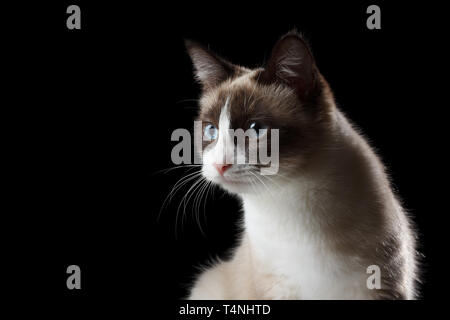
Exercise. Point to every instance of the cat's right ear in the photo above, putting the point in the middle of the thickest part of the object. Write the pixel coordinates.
(209, 69)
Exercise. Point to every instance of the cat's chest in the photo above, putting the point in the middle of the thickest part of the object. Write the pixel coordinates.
(307, 273)
(293, 260)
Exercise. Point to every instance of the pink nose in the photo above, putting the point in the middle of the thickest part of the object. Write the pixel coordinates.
(221, 167)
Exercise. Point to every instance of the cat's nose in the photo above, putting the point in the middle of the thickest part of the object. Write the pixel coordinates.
(221, 167)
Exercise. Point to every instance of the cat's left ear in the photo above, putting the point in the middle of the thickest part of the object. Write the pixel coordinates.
(292, 64)
(209, 69)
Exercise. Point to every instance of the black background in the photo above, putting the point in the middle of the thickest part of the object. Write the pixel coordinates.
(93, 111)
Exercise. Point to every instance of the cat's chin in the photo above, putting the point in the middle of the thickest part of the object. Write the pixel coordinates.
(240, 186)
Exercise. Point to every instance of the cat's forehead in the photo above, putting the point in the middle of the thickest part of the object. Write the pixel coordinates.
(238, 93)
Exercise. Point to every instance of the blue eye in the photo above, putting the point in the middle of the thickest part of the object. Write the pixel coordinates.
(210, 132)
(259, 129)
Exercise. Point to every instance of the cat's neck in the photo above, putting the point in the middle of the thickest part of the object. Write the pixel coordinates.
(281, 213)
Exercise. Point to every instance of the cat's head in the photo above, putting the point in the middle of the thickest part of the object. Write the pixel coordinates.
(288, 94)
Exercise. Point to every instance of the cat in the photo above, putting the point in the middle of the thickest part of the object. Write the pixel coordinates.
(312, 230)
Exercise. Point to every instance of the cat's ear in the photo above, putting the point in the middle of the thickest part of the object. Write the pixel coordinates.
(209, 69)
(292, 63)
